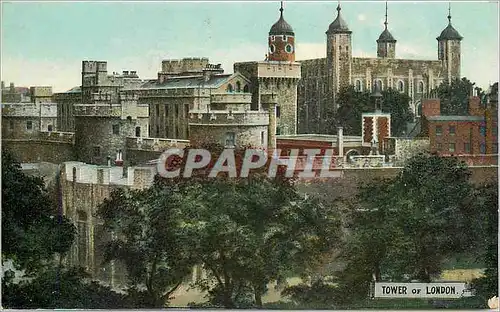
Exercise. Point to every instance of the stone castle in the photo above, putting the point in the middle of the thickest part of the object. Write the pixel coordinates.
(105, 133)
(323, 78)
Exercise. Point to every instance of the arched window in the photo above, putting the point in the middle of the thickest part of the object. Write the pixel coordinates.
(421, 87)
(378, 83)
(229, 88)
(245, 89)
(238, 86)
(358, 85)
(401, 86)
(138, 131)
(49, 128)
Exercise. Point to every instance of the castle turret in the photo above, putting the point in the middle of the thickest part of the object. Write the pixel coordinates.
(386, 44)
(449, 50)
(281, 41)
(339, 54)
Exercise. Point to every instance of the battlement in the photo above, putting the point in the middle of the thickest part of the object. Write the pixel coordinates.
(224, 118)
(41, 91)
(48, 110)
(57, 136)
(97, 110)
(136, 177)
(128, 96)
(184, 65)
(154, 144)
(231, 98)
(94, 66)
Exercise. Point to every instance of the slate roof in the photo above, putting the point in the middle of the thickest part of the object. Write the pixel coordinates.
(338, 25)
(187, 82)
(281, 27)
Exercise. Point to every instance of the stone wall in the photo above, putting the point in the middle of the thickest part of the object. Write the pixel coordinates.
(29, 151)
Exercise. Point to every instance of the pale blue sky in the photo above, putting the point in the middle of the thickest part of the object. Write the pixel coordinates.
(44, 43)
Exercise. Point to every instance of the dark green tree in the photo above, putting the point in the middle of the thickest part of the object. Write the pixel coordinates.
(252, 231)
(352, 104)
(454, 96)
(487, 205)
(148, 238)
(34, 232)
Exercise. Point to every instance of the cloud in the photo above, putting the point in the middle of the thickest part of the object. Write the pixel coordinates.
(361, 17)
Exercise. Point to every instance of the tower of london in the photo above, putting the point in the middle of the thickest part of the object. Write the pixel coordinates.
(323, 78)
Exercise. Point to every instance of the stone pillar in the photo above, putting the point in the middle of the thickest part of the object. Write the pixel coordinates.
(340, 141)
(271, 132)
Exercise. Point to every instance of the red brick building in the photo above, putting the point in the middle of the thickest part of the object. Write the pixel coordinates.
(474, 134)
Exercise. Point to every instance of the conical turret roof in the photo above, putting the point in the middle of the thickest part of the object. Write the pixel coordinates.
(281, 27)
(338, 25)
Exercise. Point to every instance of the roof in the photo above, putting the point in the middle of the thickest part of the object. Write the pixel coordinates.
(74, 90)
(386, 36)
(187, 82)
(281, 27)
(338, 25)
(449, 33)
(318, 137)
(455, 118)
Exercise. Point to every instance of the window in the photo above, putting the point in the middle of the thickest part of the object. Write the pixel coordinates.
(439, 130)
(378, 84)
(451, 147)
(229, 88)
(245, 89)
(157, 131)
(495, 130)
(421, 87)
(495, 148)
(157, 107)
(439, 146)
(467, 148)
(238, 86)
(278, 130)
(452, 129)
(29, 125)
(97, 151)
(358, 85)
(116, 129)
(401, 86)
(285, 38)
(272, 48)
(11, 124)
(482, 148)
(273, 38)
(482, 130)
(230, 138)
(176, 107)
(49, 128)
(278, 111)
(288, 48)
(262, 137)
(137, 131)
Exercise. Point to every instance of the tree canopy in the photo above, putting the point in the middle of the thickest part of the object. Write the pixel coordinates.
(454, 96)
(352, 104)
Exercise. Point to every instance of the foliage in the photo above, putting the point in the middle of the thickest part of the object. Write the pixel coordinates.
(487, 204)
(353, 103)
(404, 228)
(454, 96)
(318, 295)
(33, 231)
(147, 237)
(66, 289)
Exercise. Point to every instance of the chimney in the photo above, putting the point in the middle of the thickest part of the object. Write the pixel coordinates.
(340, 141)
(125, 73)
(431, 107)
(206, 75)
(475, 106)
(12, 89)
(3, 85)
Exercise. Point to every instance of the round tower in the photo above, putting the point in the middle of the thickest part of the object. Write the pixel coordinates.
(449, 49)
(386, 44)
(281, 41)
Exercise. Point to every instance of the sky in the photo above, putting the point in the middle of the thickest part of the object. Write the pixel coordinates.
(44, 43)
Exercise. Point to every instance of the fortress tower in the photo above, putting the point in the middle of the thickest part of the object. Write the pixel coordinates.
(278, 75)
(281, 40)
(386, 44)
(449, 50)
(338, 56)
